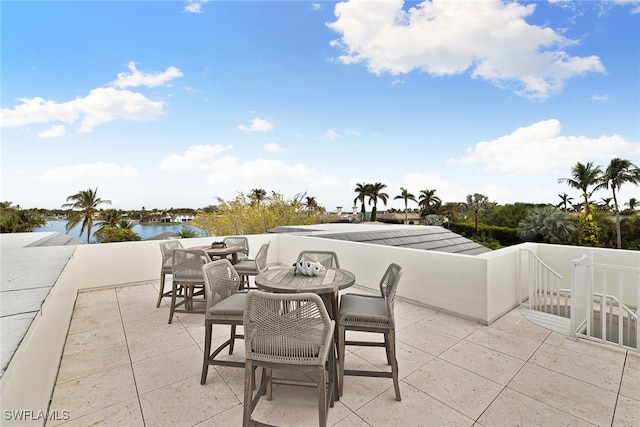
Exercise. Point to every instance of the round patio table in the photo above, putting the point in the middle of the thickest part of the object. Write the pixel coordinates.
(223, 252)
(326, 284)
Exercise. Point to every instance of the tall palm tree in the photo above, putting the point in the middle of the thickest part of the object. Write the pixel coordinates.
(362, 191)
(375, 193)
(85, 207)
(428, 199)
(404, 194)
(565, 201)
(617, 173)
(582, 178)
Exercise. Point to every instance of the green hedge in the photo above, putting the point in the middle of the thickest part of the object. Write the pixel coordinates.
(505, 235)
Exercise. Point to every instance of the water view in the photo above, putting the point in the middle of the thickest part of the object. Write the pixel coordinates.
(144, 231)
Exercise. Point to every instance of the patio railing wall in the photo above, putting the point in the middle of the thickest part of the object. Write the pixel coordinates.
(605, 302)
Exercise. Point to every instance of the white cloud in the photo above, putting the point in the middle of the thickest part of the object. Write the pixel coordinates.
(257, 125)
(332, 135)
(633, 4)
(86, 171)
(600, 98)
(490, 39)
(53, 132)
(135, 78)
(100, 105)
(316, 6)
(275, 175)
(539, 149)
(106, 104)
(196, 157)
(193, 7)
(273, 147)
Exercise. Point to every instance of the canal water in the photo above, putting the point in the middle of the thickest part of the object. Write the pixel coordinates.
(144, 231)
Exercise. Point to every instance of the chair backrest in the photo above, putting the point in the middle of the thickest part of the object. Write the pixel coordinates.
(238, 241)
(166, 248)
(220, 281)
(261, 257)
(287, 328)
(327, 258)
(187, 265)
(389, 284)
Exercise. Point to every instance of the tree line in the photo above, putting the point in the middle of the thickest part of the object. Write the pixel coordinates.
(477, 217)
(542, 223)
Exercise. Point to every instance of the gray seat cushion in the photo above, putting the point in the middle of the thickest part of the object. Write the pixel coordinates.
(229, 308)
(364, 311)
(246, 266)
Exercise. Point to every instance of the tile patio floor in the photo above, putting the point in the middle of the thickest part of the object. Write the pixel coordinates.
(123, 365)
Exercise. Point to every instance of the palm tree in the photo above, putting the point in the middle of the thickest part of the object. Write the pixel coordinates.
(110, 218)
(565, 201)
(362, 191)
(582, 178)
(478, 203)
(125, 224)
(375, 193)
(404, 194)
(427, 199)
(257, 195)
(617, 173)
(311, 203)
(632, 203)
(605, 204)
(86, 202)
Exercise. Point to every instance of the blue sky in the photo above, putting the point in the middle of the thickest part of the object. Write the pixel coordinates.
(171, 103)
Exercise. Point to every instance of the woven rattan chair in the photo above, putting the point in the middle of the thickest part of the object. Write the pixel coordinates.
(288, 331)
(327, 258)
(225, 306)
(253, 267)
(371, 313)
(166, 248)
(187, 272)
(239, 241)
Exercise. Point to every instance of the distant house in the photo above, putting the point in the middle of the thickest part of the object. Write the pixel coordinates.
(398, 218)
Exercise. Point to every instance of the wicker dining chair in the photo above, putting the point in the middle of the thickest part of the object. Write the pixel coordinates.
(327, 258)
(253, 267)
(187, 272)
(238, 241)
(225, 306)
(166, 248)
(370, 313)
(284, 332)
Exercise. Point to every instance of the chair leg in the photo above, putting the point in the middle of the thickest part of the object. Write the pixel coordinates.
(386, 348)
(174, 290)
(333, 374)
(394, 362)
(161, 292)
(207, 350)
(233, 338)
(341, 338)
(248, 392)
(322, 395)
(267, 374)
